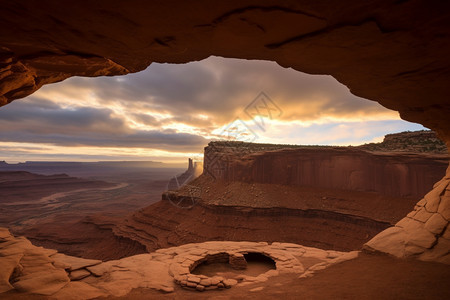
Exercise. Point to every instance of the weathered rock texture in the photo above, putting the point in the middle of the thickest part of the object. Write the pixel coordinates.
(326, 197)
(162, 225)
(393, 52)
(30, 269)
(424, 233)
(396, 175)
(388, 51)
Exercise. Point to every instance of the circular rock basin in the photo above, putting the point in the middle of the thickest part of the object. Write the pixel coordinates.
(249, 264)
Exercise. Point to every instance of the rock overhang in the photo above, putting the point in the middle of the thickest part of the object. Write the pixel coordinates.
(393, 52)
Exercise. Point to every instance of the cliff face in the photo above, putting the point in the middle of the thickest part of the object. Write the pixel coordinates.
(404, 175)
(161, 225)
(327, 197)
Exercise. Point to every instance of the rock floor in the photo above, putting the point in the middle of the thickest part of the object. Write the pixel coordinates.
(27, 269)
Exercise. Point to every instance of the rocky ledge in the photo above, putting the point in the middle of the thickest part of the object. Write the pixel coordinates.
(29, 269)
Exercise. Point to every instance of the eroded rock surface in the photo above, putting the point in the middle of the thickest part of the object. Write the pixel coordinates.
(393, 52)
(424, 233)
(346, 168)
(31, 269)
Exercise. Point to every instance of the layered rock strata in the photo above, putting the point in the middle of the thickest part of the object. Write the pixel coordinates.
(163, 225)
(399, 175)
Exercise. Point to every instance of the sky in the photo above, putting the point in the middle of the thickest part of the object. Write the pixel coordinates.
(169, 112)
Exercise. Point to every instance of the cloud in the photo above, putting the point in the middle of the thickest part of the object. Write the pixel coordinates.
(221, 88)
(41, 121)
(179, 108)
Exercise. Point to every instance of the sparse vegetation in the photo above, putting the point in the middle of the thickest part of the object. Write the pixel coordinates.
(424, 141)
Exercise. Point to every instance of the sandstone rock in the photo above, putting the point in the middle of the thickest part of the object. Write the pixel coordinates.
(315, 253)
(444, 207)
(212, 287)
(433, 197)
(422, 215)
(192, 278)
(349, 170)
(439, 253)
(4, 234)
(78, 291)
(416, 233)
(200, 288)
(318, 267)
(327, 46)
(229, 282)
(272, 273)
(206, 282)
(44, 283)
(100, 269)
(8, 265)
(436, 224)
(391, 240)
(79, 274)
(48, 252)
(61, 265)
(257, 289)
(133, 272)
(413, 213)
(422, 202)
(74, 262)
(177, 269)
(412, 250)
(346, 52)
(16, 246)
(446, 234)
(345, 256)
(216, 280)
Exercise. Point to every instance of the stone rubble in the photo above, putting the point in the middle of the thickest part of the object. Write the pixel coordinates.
(30, 269)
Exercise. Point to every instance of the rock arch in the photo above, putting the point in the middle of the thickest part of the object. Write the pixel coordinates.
(393, 52)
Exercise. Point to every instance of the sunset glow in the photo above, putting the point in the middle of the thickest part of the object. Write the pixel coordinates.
(169, 112)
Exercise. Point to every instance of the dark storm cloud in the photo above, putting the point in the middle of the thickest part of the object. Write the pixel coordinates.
(41, 121)
(42, 116)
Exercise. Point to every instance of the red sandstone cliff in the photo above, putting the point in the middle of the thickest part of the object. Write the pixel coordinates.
(404, 175)
(327, 197)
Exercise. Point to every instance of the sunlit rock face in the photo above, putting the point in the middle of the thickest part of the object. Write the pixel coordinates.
(393, 52)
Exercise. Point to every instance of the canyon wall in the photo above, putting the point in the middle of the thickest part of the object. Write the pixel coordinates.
(390, 174)
(162, 225)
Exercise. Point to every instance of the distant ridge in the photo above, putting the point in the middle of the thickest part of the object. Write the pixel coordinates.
(423, 141)
(134, 164)
(90, 168)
